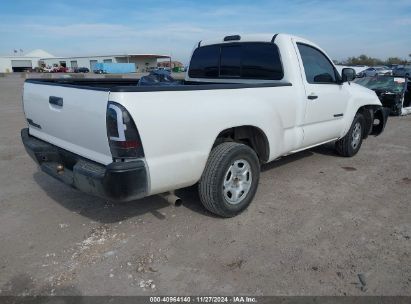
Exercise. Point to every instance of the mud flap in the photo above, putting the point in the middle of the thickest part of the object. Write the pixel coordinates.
(380, 119)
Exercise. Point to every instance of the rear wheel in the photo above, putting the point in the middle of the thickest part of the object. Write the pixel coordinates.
(350, 144)
(230, 179)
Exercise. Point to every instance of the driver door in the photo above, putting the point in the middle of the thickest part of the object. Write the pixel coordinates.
(326, 97)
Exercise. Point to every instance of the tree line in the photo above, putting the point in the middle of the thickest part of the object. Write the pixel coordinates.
(370, 61)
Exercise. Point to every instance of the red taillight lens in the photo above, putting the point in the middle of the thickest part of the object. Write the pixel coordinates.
(122, 133)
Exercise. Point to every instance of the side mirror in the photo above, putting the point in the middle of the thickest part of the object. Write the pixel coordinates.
(348, 74)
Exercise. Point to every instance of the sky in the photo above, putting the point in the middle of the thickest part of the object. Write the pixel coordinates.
(343, 28)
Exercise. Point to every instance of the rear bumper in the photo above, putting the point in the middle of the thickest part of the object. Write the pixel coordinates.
(118, 181)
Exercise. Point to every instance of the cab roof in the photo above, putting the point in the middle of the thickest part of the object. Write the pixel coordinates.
(246, 38)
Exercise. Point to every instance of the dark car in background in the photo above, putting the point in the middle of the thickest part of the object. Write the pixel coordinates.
(81, 70)
(393, 92)
(402, 71)
(158, 78)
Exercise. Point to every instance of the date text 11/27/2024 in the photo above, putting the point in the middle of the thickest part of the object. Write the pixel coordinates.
(200, 299)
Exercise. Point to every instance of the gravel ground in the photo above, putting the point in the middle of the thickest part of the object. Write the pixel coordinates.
(319, 225)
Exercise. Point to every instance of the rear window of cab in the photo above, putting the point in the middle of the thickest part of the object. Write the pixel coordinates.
(246, 60)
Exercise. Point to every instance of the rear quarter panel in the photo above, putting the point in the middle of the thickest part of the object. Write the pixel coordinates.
(178, 128)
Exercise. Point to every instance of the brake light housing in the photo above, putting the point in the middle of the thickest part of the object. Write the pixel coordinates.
(123, 137)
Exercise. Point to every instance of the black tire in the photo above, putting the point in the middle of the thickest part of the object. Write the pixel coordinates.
(211, 186)
(344, 146)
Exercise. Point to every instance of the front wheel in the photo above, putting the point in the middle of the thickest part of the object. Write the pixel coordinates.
(350, 144)
(230, 179)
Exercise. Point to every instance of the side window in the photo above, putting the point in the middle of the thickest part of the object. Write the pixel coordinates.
(230, 65)
(204, 62)
(318, 69)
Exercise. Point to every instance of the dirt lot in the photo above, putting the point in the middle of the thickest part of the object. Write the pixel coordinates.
(318, 222)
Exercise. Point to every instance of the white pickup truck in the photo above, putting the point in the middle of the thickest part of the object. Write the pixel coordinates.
(246, 100)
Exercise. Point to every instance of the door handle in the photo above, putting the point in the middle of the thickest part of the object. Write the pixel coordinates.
(312, 96)
(57, 101)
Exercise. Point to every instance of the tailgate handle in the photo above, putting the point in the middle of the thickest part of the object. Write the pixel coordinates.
(57, 101)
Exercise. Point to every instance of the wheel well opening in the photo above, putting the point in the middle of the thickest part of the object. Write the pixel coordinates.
(368, 114)
(249, 135)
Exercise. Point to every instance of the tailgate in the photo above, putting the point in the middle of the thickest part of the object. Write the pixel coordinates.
(71, 118)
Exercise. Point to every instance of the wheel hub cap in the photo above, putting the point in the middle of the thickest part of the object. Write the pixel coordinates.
(356, 135)
(237, 181)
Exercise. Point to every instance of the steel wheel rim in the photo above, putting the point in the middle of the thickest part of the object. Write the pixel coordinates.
(356, 135)
(237, 181)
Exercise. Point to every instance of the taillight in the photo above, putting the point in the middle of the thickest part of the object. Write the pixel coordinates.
(122, 133)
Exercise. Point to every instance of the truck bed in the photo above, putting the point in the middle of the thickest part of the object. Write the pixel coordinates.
(57, 113)
(131, 85)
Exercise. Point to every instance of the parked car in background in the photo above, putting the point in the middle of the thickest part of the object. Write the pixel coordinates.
(47, 69)
(372, 71)
(394, 92)
(240, 105)
(81, 70)
(402, 71)
(357, 69)
(60, 69)
(393, 66)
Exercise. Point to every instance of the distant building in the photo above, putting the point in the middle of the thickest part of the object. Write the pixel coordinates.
(21, 63)
(40, 58)
(143, 62)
